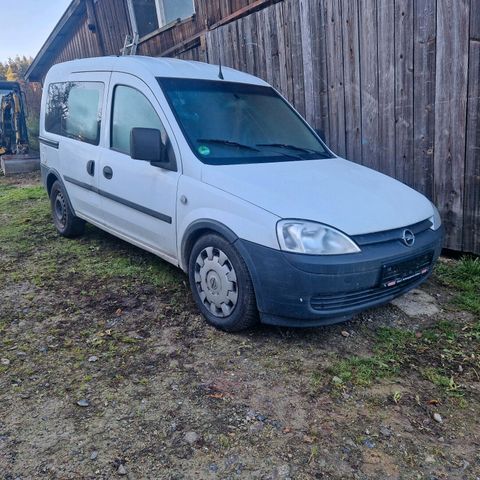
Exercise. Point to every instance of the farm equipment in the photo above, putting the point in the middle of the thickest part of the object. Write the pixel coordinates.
(13, 125)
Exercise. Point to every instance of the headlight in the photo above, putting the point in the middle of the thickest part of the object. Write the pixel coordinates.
(435, 219)
(301, 236)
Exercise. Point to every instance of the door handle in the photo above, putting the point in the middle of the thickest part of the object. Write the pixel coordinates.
(107, 172)
(91, 167)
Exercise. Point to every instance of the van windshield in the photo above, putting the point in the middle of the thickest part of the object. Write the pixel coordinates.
(230, 123)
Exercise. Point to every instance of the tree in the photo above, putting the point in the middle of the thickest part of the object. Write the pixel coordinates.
(15, 68)
(11, 74)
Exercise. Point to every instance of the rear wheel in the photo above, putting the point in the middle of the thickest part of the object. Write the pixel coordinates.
(221, 284)
(66, 223)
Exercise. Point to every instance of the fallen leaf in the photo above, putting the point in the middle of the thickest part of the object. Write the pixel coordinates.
(307, 439)
(216, 395)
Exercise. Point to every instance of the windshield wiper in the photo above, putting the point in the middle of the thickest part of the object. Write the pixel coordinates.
(292, 147)
(227, 142)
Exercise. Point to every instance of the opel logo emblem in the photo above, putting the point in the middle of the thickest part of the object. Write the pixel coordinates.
(408, 238)
(213, 284)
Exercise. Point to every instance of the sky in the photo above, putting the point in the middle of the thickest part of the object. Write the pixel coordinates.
(26, 24)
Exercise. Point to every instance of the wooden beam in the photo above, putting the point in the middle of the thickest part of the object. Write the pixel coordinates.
(244, 11)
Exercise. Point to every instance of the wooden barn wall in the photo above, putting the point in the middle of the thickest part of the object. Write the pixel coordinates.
(80, 43)
(208, 13)
(395, 85)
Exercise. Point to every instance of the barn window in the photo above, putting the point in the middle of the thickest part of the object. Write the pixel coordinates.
(150, 15)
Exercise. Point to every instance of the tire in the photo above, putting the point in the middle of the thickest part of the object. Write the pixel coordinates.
(221, 284)
(65, 221)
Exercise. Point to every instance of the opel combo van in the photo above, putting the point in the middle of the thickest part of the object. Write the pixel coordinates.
(217, 174)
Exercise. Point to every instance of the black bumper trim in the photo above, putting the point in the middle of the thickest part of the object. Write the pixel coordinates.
(294, 289)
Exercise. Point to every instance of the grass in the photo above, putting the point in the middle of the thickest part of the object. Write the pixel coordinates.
(445, 354)
(464, 277)
(386, 361)
(27, 230)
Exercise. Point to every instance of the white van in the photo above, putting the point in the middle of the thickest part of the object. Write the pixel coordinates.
(216, 173)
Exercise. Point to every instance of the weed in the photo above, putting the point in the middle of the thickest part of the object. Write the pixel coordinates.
(464, 276)
(447, 384)
(386, 361)
(27, 230)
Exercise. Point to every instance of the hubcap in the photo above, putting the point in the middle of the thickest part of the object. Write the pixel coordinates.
(216, 281)
(60, 210)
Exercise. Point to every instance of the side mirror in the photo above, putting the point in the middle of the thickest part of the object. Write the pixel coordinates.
(146, 144)
(321, 134)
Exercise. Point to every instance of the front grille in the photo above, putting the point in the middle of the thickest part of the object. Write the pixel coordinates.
(391, 235)
(331, 303)
(395, 279)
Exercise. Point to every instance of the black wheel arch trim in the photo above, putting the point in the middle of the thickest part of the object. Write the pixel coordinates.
(199, 225)
(46, 172)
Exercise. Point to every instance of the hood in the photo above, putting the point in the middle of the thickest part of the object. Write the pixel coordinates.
(339, 193)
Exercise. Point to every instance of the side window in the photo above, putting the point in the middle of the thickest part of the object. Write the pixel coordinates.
(131, 109)
(74, 110)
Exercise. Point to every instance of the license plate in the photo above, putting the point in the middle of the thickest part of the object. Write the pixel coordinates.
(396, 273)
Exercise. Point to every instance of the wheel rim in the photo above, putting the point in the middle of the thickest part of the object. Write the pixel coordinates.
(60, 210)
(216, 282)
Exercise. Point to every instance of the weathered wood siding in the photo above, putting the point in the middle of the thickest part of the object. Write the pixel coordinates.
(394, 84)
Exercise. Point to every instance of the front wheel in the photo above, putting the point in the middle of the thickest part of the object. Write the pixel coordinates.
(66, 223)
(221, 284)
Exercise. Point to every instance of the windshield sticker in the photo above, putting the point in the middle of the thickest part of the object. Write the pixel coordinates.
(203, 150)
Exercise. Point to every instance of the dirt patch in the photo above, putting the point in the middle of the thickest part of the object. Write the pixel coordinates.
(107, 372)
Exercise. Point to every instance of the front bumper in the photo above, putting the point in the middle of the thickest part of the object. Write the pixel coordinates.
(312, 290)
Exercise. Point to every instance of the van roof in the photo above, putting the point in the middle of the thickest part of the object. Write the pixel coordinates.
(157, 67)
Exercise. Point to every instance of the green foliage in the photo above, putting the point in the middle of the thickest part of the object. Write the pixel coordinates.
(464, 276)
(386, 361)
(33, 131)
(442, 348)
(15, 68)
(27, 230)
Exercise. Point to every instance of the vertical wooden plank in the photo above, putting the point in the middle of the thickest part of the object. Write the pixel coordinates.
(267, 43)
(404, 91)
(295, 63)
(275, 48)
(242, 56)
(471, 207)
(474, 20)
(320, 75)
(369, 81)
(307, 60)
(450, 115)
(297, 56)
(386, 87)
(282, 56)
(351, 67)
(424, 95)
(261, 60)
(249, 37)
(287, 26)
(336, 95)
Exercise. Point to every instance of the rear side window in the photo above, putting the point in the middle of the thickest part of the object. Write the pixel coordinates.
(131, 109)
(74, 110)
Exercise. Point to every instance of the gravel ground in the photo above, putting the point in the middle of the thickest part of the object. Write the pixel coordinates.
(107, 370)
